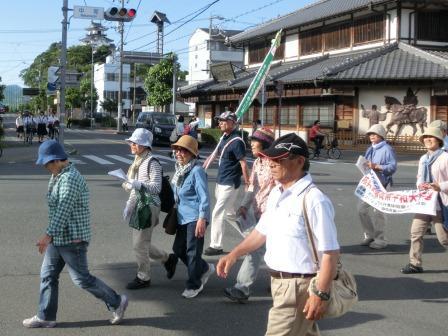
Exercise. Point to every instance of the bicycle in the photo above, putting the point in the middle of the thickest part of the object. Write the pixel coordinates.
(330, 147)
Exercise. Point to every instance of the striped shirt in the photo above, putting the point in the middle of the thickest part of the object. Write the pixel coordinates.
(68, 203)
(152, 181)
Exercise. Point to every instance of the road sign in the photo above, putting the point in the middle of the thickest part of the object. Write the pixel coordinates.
(30, 91)
(90, 13)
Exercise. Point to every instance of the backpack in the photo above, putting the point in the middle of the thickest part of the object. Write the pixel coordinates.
(166, 193)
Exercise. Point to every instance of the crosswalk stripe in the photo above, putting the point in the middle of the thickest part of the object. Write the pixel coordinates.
(76, 161)
(120, 158)
(98, 159)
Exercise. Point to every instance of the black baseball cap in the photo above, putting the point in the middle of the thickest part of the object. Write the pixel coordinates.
(287, 144)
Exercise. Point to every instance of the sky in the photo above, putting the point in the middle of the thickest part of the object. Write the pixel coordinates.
(30, 26)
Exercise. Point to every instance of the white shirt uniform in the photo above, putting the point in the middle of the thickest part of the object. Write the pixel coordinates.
(42, 120)
(28, 121)
(287, 247)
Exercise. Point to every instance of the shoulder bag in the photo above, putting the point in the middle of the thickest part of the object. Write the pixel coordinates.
(141, 216)
(343, 290)
(170, 221)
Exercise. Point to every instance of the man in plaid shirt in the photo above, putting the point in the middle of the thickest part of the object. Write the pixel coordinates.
(66, 240)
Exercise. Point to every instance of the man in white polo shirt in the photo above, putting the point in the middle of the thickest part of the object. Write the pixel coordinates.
(288, 254)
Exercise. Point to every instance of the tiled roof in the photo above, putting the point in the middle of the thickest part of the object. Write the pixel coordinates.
(390, 63)
(396, 62)
(311, 13)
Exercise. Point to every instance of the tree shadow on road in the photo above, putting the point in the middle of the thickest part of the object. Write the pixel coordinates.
(404, 287)
(431, 243)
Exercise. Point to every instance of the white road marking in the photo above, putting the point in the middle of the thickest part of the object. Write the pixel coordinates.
(120, 158)
(98, 160)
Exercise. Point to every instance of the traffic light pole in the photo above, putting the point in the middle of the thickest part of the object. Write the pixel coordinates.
(63, 65)
(120, 74)
(174, 83)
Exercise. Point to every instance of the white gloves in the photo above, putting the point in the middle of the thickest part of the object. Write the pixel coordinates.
(136, 184)
(128, 210)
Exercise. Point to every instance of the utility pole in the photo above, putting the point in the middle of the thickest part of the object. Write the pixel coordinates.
(210, 41)
(133, 98)
(174, 83)
(63, 65)
(120, 75)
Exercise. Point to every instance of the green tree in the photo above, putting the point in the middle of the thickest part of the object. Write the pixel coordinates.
(2, 88)
(110, 106)
(159, 82)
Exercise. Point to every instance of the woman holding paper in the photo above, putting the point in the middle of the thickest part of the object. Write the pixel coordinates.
(381, 159)
(432, 174)
(193, 213)
(145, 172)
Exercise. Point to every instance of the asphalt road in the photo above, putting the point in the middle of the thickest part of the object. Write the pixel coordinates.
(390, 303)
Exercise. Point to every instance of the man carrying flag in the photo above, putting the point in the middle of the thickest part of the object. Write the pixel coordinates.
(232, 164)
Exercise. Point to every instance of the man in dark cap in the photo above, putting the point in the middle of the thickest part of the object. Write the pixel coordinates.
(66, 240)
(288, 255)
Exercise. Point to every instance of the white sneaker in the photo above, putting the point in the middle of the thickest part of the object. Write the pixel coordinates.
(191, 293)
(206, 275)
(35, 322)
(118, 314)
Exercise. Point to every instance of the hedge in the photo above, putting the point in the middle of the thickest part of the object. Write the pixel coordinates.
(211, 136)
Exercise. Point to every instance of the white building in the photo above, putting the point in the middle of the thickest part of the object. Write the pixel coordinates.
(106, 82)
(200, 52)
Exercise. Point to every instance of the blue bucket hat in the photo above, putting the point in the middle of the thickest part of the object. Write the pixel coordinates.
(50, 150)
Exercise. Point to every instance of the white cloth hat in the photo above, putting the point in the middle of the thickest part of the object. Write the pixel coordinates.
(377, 129)
(435, 132)
(439, 124)
(142, 137)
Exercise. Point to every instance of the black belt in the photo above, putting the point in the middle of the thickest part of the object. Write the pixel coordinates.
(286, 275)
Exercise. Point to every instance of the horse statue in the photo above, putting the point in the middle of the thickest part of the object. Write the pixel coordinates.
(402, 115)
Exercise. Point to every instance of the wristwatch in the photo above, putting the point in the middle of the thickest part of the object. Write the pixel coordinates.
(324, 296)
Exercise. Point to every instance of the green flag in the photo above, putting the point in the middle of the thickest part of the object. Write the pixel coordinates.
(259, 78)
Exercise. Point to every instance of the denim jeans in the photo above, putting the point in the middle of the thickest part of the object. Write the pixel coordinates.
(75, 256)
(188, 248)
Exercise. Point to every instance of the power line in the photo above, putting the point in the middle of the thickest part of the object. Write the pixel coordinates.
(197, 13)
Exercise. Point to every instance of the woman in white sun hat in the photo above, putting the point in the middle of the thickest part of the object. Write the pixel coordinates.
(381, 159)
(432, 174)
(145, 172)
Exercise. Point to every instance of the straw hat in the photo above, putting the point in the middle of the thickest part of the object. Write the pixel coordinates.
(377, 129)
(187, 142)
(432, 131)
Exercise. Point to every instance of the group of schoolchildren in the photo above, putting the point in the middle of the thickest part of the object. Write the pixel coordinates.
(42, 125)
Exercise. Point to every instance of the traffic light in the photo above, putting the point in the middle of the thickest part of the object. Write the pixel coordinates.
(120, 14)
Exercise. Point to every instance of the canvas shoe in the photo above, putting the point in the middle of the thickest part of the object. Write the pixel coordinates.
(366, 241)
(378, 244)
(411, 269)
(35, 322)
(137, 283)
(118, 314)
(211, 251)
(206, 275)
(191, 293)
(235, 294)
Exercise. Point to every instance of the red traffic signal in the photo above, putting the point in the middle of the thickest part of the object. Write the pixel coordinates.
(120, 14)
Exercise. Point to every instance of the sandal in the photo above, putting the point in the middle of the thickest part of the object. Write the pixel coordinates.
(411, 269)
